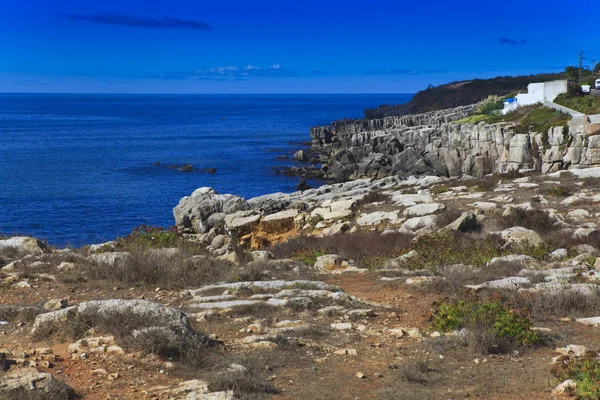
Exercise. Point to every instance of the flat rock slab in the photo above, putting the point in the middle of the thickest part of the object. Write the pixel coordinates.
(225, 304)
(209, 299)
(513, 282)
(378, 217)
(420, 210)
(408, 200)
(557, 287)
(592, 321)
(270, 285)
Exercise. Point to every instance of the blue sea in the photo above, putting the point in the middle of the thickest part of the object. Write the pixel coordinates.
(81, 169)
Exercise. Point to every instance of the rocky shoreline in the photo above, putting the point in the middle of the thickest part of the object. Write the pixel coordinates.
(348, 287)
(434, 144)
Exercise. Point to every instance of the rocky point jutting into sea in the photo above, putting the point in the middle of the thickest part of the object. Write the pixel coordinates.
(434, 144)
(418, 275)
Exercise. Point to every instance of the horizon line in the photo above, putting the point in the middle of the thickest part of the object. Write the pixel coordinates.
(219, 94)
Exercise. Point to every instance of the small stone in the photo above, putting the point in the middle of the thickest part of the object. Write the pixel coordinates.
(341, 326)
(565, 389)
(360, 375)
(169, 365)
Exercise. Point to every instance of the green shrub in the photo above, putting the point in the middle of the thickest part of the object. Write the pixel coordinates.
(473, 119)
(455, 248)
(492, 316)
(307, 256)
(149, 236)
(586, 373)
(559, 191)
(490, 105)
(584, 104)
(542, 119)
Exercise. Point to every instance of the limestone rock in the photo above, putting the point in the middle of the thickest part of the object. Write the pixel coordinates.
(419, 210)
(467, 222)
(136, 309)
(328, 262)
(519, 236)
(23, 244)
(279, 222)
(24, 378)
(114, 259)
(565, 389)
(242, 222)
(378, 217)
(192, 212)
(413, 224)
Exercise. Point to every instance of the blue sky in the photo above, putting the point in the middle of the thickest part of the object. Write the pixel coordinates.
(264, 46)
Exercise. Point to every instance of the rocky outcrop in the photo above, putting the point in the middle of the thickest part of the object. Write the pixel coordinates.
(204, 209)
(23, 244)
(432, 144)
(154, 313)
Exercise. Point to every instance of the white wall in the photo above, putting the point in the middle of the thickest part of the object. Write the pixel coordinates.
(527, 99)
(554, 88)
(538, 93)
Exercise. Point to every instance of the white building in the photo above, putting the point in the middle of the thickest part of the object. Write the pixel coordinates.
(536, 93)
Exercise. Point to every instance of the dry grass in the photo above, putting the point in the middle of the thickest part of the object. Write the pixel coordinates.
(536, 219)
(365, 248)
(410, 381)
(544, 305)
(20, 312)
(248, 383)
(192, 350)
(452, 280)
(169, 271)
(143, 334)
(56, 390)
(564, 240)
(374, 196)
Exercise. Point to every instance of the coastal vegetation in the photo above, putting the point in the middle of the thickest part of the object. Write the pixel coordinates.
(461, 93)
(535, 118)
(490, 326)
(584, 104)
(418, 287)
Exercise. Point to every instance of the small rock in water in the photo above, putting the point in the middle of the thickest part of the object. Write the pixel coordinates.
(303, 185)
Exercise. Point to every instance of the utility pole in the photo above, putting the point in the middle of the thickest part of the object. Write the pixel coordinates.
(580, 63)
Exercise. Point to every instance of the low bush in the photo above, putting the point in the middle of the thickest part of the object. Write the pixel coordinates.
(149, 237)
(374, 196)
(192, 350)
(584, 104)
(559, 191)
(535, 219)
(586, 373)
(169, 270)
(541, 120)
(255, 271)
(55, 390)
(365, 248)
(452, 280)
(455, 248)
(492, 327)
(20, 312)
(415, 371)
(551, 304)
(247, 382)
(143, 334)
(491, 105)
(473, 119)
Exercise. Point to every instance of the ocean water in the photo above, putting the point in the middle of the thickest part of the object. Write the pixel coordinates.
(80, 169)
